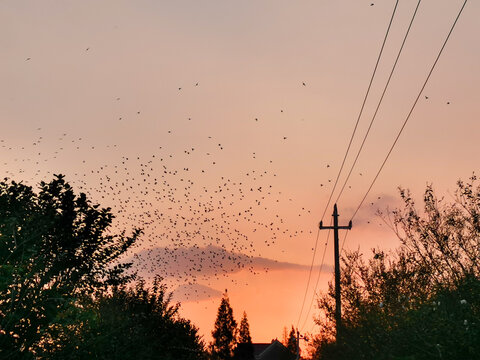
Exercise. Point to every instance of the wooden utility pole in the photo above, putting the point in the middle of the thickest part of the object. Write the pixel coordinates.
(298, 346)
(299, 337)
(338, 301)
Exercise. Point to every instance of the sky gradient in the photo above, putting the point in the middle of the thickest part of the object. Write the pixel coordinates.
(234, 117)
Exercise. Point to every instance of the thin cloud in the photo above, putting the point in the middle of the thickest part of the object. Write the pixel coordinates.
(369, 210)
(198, 262)
(194, 292)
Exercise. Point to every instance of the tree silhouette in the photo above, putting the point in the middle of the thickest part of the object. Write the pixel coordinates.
(224, 333)
(244, 349)
(134, 323)
(291, 344)
(421, 301)
(55, 249)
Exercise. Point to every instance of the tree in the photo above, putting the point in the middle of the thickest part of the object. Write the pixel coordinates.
(291, 343)
(225, 331)
(244, 349)
(421, 301)
(55, 249)
(134, 323)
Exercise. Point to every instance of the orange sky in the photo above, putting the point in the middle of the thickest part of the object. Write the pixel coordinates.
(106, 93)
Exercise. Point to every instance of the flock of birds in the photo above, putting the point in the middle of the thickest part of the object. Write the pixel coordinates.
(198, 221)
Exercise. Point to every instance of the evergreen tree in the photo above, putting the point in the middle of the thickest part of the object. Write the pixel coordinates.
(224, 334)
(291, 344)
(244, 349)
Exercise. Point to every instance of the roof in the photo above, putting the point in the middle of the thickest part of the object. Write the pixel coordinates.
(258, 348)
(273, 351)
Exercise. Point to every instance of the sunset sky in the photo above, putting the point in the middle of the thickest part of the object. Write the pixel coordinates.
(220, 126)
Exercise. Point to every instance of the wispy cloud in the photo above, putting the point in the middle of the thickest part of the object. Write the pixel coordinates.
(194, 292)
(369, 210)
(194, 262)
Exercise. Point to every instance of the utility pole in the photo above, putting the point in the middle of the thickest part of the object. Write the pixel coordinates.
(303, 337)
(298, 345)
(338, 301)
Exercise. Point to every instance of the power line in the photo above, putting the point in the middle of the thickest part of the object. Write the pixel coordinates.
(343, 242)
(398, 135)
(348, 149)
(332, 277)
(412, 108)
(380, 101)
(362, 107)
(316, 283)
(309, 276)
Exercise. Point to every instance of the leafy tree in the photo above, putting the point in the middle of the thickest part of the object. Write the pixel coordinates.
(134, 323)
(419, 302)
(244, 349)
(55, 248)
(225, 331)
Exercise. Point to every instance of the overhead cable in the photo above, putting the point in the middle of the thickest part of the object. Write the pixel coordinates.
(411, 109)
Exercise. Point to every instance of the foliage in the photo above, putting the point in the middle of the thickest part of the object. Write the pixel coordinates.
(420, 302)
(225, 331)
(134, 323)
(291, 341)
(55, 248)
(244, 349)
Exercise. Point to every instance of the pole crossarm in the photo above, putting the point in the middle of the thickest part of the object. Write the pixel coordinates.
(349, 227)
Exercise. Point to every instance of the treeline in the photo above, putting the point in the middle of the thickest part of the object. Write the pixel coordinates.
(419, 302)
(63, 293)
